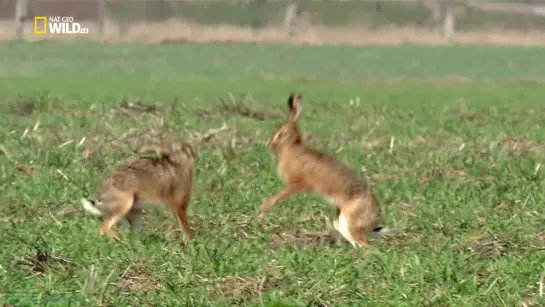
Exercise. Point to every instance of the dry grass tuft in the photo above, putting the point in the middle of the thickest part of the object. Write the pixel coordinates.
(130, 142)
(223, 137)
(137, 280)
(238, 289)
(495, 246)
(135, 108)
(23, 107)
(241, 108)
(374, 143)
(515, 145)
(402, 238)
(539, 240)
(38, 262)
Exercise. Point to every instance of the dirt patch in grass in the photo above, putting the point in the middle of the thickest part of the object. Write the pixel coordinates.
(374, 143)
(131, 142)
(68, 213)
(36, 102)
(303, 239)
(442, 173)
(513, 146)
(137, 280)
(242, 106)
(23, 107)
(232, 106)
(494, 246)
(39, 261)
(425, 142)
(36, 263)
(538, 240)
(402, 238)
(239, 289)
(134, 108)
(26, 169)
(224, 137)
(128, 142)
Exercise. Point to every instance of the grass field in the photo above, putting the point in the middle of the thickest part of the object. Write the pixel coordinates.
(461, 179)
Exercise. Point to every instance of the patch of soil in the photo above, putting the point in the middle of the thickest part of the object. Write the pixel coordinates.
(492, 247)
(137, 280)
(303, 239)
(423, 142)
(130, 142)
(539, 240)
(135, 108)
(514, 145)
(240, 107)
(38, 262)
(68, 213)
(26, 169)
(238, 289)
(23, 107)
(402, 238)
(441, 173)
(224, 137)
(374, 143)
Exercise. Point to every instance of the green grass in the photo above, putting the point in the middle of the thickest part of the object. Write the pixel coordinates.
(461, 181)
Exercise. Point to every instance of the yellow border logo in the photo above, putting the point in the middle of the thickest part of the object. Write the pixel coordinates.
(36, 19)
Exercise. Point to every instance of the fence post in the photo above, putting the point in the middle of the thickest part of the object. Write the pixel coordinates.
(378, 6)
(449, 20)
(290, 19)
(21, 12)
(101, 16)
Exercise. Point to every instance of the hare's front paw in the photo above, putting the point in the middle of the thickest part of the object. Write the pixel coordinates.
(266, 205)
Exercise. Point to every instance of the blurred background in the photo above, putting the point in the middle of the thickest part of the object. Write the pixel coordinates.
(300, 22)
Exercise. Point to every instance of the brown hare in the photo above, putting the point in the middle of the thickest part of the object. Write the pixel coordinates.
(131, 186)
(305, 169)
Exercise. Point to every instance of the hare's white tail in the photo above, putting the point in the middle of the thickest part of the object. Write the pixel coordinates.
(381, 231)
(91, 206)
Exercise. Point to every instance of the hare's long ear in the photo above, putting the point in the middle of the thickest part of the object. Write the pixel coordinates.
(294, 107)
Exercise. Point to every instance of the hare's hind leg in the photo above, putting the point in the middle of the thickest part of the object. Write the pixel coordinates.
(343, 226)
(179, 209)
(358, 235)
(120, 205)
(350, 227)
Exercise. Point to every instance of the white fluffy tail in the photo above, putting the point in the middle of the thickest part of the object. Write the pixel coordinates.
(90, 206)
(381, 231)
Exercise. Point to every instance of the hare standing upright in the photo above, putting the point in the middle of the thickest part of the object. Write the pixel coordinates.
(304, 169)
(129, 187)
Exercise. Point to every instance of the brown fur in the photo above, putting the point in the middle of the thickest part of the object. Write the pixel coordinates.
(163, 179)
(305, 169)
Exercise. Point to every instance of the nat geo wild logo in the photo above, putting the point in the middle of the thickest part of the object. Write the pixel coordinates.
(57, 25)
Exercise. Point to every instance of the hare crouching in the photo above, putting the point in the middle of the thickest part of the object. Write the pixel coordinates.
(143, 181)
(305, 169)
